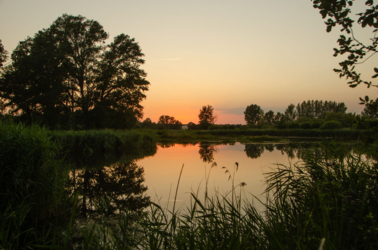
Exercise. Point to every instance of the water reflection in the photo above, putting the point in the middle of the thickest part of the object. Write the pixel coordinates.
(254, 150)
(120, 186)
(206, 152)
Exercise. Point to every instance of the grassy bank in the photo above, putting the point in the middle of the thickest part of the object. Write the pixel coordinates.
(97, 148)
(258, 135)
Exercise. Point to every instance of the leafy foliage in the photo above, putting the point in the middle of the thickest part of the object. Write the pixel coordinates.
(169, 122)
(319, 109)
(253, 114)
(338, 14)
(66, 72)
(371, 108)
(206, 116)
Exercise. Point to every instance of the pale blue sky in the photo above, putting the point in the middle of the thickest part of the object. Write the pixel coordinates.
(228, 54)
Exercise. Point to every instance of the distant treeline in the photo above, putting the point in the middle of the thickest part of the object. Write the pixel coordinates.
(311, 114)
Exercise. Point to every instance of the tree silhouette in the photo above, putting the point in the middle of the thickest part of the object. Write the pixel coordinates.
(206, 152)
(254, 151)
(290, 113)
(68, 69)
(253, 114)
(206, 116)
(269, 117)
(169, 122)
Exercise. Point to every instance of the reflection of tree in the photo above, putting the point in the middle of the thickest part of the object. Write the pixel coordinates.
(207, 152)
(121, 185)
(254, 150)
(269, 147)
(286, 149)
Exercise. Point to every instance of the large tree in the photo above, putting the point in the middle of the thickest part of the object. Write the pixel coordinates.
(206, 116)
(253, 114)
(102, 84)
(338, 13)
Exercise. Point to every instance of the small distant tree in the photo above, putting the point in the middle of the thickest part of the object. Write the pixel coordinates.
(290, 113)
(269, 117)
(147, 123)
(192, 126)
(206, 117)
(278, 117)
(169, 122)
(253, 114)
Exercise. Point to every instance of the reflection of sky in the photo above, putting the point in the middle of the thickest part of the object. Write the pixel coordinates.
(228, 54)
(163, 169)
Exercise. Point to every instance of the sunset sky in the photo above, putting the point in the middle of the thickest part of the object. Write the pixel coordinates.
(228, 54)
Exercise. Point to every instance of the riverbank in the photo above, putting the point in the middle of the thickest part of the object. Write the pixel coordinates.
(258, 135)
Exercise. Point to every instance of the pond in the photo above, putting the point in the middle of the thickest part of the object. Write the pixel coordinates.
(206, 167)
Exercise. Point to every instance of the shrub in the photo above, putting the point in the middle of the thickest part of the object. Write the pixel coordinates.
(292, 125)
(317, 123)
(372, 123)
(331, 125)
(305, 125)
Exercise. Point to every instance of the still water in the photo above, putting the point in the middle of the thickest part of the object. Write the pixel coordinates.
(131, 183)
(245, 163)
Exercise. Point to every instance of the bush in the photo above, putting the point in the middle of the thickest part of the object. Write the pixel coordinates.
(305, 125)
(317, 123)
(372, 123)
(292, 125)
(331, 125)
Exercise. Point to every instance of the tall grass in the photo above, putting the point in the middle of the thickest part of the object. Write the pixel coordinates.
(32, 195)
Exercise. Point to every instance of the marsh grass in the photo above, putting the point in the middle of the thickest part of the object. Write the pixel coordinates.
(32, 196)
(96, 148)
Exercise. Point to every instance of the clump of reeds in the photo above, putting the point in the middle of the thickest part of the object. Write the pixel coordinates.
(32, 179)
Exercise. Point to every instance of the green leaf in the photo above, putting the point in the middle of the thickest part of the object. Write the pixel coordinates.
(376, 70)
(366, 98)
(329, 28)
(353, 85)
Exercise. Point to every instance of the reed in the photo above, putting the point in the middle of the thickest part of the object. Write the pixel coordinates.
(32, 197)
